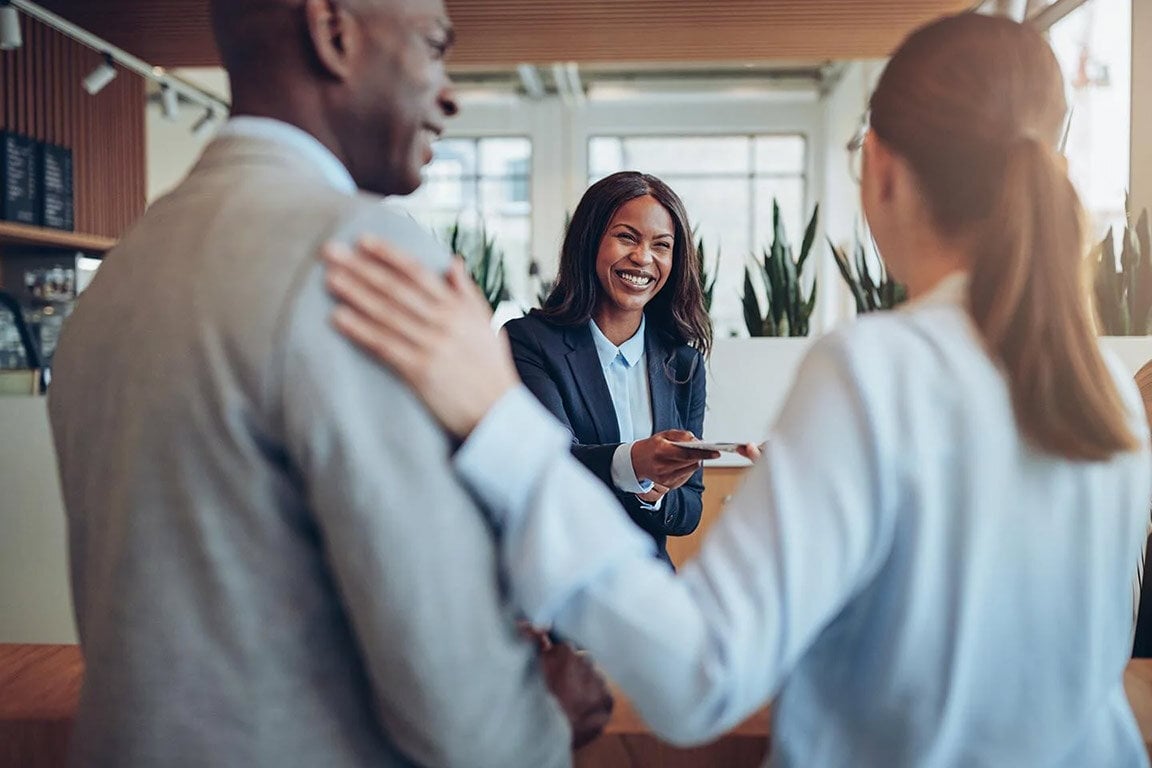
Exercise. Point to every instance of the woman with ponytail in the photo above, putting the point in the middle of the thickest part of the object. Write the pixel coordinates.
(930, 563)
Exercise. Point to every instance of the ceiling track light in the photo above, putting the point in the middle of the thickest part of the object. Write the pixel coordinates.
(568, 85)
(114, 58)
(575, 87)
(205, 123)
(169, 102)
(10, 36)
(560, 78)
(104, 73)
(531, 81)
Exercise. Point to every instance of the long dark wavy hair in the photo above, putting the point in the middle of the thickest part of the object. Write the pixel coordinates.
(677, 311)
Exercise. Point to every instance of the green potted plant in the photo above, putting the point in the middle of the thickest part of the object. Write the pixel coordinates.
(787, 310)
(1123, 287)
(485, 261)
(707, 276)
(870, 292)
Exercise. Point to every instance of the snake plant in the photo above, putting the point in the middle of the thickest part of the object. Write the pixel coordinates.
(1124, 290)
(787, 310)
(869, 292)
(707, 276)
(485, 261)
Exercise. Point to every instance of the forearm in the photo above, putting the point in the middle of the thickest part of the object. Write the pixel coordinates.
(576, 563)
(596, 458)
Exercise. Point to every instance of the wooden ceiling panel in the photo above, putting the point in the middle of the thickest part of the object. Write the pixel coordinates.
(496, 33)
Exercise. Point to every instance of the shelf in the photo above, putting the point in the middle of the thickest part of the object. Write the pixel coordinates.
(12, 233)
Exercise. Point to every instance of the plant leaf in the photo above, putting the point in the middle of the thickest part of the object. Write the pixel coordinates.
(809, 239)
(753, 320)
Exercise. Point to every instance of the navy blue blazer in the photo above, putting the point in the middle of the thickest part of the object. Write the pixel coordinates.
(560, 366)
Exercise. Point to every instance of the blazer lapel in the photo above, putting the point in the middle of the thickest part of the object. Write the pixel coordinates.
(589, 377)
(660, 384)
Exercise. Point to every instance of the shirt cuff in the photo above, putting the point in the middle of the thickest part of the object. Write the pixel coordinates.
(624, 474)
(505, 457)
(654, 507)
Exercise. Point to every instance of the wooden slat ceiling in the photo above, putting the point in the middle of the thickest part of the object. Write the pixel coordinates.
(496, 33)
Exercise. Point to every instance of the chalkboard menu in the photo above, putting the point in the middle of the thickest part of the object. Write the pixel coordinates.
(56, 199)
(20, 179)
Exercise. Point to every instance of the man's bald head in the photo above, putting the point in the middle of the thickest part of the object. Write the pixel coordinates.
(366, 77)
(246, 30)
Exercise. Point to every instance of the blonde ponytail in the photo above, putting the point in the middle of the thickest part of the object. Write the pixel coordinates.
(1029, 297)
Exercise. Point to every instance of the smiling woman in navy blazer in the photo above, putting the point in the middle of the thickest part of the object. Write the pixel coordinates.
(617, 352)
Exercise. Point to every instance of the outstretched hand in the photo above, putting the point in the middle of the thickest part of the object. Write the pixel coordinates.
(433, 330)
(655, 458)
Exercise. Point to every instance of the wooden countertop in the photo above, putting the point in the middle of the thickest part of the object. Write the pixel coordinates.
(40, 687)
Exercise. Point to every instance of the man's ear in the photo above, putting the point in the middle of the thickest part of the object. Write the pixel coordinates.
(335, 36)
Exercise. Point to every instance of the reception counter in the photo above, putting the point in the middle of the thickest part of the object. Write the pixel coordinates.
(40, 685)
(748, 380)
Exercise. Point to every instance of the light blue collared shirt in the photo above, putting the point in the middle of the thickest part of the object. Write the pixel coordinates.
(307, 146)
(626, 373)
(901, 571)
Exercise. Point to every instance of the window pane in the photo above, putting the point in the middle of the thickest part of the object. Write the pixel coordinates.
(513, 236)
(605, 156)
(687, 154)
(481, 183)
(1093, 45)
(504, 197)
(505, 157)
(780, 154)
(720, 210)
(442, 194)
(452, 158)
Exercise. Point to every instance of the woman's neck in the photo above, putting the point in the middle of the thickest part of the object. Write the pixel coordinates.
(928, 260)
(617, 327)
(922, 282)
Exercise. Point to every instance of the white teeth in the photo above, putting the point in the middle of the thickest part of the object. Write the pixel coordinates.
(636, 280)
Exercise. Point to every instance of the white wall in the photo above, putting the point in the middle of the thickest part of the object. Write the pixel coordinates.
(844, 105)
(171, 147)
(35, 596)
(749, 380)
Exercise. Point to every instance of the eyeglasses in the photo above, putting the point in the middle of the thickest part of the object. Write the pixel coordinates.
(1067, 130)
(856, 148)
(855, 145)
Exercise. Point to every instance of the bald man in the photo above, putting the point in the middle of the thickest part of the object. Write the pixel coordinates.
(272, 562)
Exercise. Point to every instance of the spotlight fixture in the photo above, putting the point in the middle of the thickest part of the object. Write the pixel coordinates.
(169, 102)
(575, 87)
(560, 78)
(10, 37)
(174, 92)
(531, 81)
(104, 73)
(205, 123)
